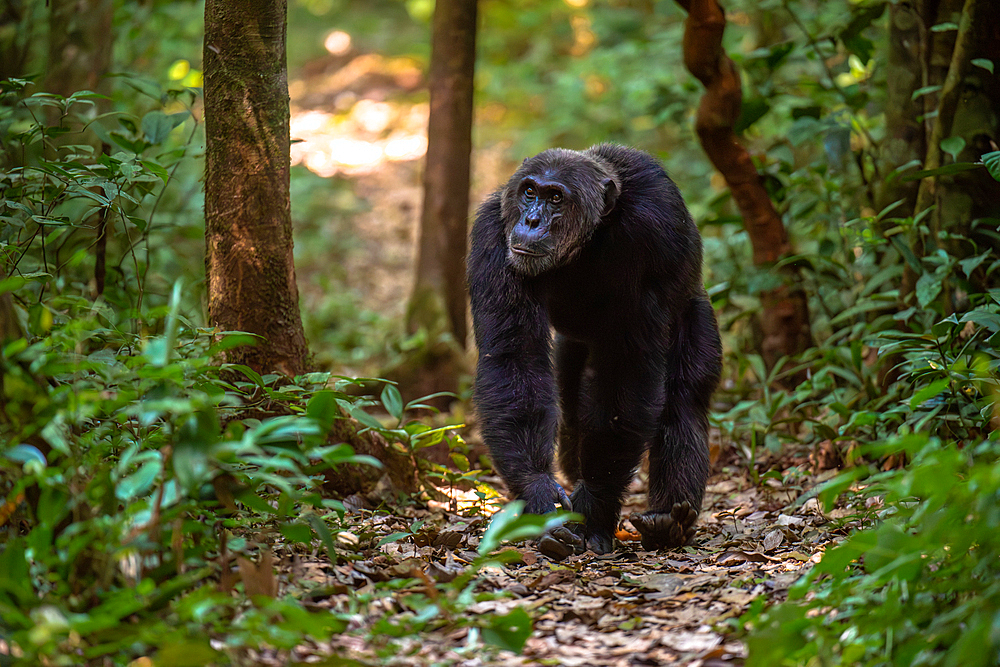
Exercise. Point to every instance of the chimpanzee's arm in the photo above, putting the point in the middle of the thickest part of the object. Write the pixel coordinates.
(515, 388)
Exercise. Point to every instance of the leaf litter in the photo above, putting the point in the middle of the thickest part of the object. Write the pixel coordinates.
(630, 607)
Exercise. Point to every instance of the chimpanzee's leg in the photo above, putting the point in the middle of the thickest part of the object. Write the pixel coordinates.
(678, 456)
(623, 414)
(570, 358)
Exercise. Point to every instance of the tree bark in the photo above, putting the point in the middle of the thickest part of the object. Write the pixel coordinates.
(16, 35)
(966, 106)
(80, 41)
(785, 312)
(438, 302)
(904, 141)
(248, 228)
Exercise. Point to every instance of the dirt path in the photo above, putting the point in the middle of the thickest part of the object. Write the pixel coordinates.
(627, 608)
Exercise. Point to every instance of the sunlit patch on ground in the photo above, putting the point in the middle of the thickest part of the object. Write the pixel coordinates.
(354, 113)
(360, 141)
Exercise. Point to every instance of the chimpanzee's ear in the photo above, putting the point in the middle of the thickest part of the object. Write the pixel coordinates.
(610, 195)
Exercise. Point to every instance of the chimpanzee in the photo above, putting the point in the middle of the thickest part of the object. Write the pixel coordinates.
(599, 246)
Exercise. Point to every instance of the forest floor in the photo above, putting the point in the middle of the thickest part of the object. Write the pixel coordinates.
(627, 608)
(355, 115)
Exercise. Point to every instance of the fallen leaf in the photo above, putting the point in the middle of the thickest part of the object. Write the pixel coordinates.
(258, 579)
(773, 540)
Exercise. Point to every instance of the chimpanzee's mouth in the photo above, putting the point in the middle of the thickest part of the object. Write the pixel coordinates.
(521, 250)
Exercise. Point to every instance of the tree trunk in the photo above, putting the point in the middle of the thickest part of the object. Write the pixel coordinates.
(248, 227)
(785, 312)
(80, 41)
(16, 35)
(438, 302)
(904, 141)
(966, 106)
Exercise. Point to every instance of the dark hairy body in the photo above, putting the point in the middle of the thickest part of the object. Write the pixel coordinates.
(599, 246)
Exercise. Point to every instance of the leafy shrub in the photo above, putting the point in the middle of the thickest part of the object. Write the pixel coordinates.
(919, 588)
(120, 481)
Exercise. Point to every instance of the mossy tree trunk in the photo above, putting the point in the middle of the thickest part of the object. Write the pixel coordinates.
(248, 227)
(438, 302)
(966, 106)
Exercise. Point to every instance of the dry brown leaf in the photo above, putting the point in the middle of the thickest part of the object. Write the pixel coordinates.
(552, 578)
(258, 579)
(773, 540)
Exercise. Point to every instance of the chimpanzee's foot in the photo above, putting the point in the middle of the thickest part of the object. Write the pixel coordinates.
(573, 538)
(662, 530)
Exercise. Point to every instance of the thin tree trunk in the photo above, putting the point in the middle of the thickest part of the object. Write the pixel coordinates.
(16, 35)
(440, 272)
(248, 228)
(904, 140)
(438, 302)
(965, 107)
(785, 312)
(80, 41)
(947, 104)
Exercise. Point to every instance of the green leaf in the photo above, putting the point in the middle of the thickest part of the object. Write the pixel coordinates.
(985, 63)
(392, 400)
(511, 525)
(947, 170)
(226, 340)
(984, 318)
(992, 163)
(322, 407)
(157, 125)
(930, 391)
(753, 109)
(919, 92)
(297, 532)
(25, 453)
(251, 500)
(944, 26)
(139, 482)
(366, 419)
(953, 146)
(928, 287)
(461, 461)
(14, 576)
(253, 375)
(393, 537)
(509, 632)
(156, 170)
(323, 531)
(12, 284)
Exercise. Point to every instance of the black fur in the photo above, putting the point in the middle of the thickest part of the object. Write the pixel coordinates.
(615, 269)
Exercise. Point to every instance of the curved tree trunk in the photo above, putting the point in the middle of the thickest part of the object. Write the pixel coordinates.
(438, 302)
(248, 227)
(785, 313)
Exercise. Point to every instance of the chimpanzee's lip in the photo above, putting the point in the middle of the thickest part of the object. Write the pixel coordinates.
(520, 250)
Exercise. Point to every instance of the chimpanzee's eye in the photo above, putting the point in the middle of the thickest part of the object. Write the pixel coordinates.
(556, 198)
(529, 192)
